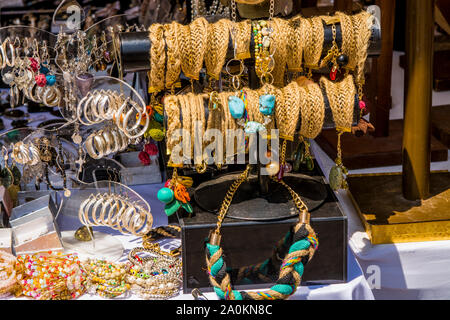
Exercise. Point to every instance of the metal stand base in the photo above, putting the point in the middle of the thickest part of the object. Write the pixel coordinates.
(249, 203)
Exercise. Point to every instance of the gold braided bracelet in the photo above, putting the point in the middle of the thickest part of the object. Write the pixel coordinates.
(312, 110)
(215, 122)
(173, 69)
(216, 51)
(314, 38)
(279, 40)
(186, 114)
(362, 23)
(200, 130)
(193, 47)
(341, 96)
(242, 39)
(172, 110)
(287, 117)
(157, 58)
(224, 118)
(230, 123)
(295, 44)
(348, 43)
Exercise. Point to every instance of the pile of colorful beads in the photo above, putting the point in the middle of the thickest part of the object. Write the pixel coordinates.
(161, 284)
(105, 278)
(51, 276)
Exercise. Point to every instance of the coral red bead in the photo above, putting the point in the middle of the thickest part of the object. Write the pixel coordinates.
(333, 75)
(41, 80)
(362, 105)
(34, 65)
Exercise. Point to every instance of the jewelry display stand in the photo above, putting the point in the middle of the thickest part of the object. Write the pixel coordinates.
(261, 212)
(132, 173)
(68, 149)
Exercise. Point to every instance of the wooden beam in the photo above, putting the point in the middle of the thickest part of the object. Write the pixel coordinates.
(418, 98)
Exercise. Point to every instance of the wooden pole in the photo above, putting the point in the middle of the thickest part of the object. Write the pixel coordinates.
(418, 99)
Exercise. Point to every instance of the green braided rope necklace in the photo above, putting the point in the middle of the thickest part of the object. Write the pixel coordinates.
(301, 240)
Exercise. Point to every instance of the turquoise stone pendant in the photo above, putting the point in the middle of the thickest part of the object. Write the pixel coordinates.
(236, 107)
(253, 127)
(266, 104)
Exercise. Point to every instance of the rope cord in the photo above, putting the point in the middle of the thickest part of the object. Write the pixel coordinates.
(302, 243)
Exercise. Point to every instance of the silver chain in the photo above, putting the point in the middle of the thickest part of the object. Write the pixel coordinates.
(271, 9)
(233, 28)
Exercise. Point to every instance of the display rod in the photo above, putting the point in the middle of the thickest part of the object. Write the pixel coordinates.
(135, 47)
(418, 99)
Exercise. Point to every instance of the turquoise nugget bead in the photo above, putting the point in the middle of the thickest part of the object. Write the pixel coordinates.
(253, 127)
(266, 104)
(236, 106)
(51, 80)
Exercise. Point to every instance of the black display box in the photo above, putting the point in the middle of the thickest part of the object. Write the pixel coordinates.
(247, 243)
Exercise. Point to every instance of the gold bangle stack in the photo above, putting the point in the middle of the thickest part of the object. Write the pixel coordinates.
(187, 126)
(228, 125)
(106, 141)
(215, 123)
